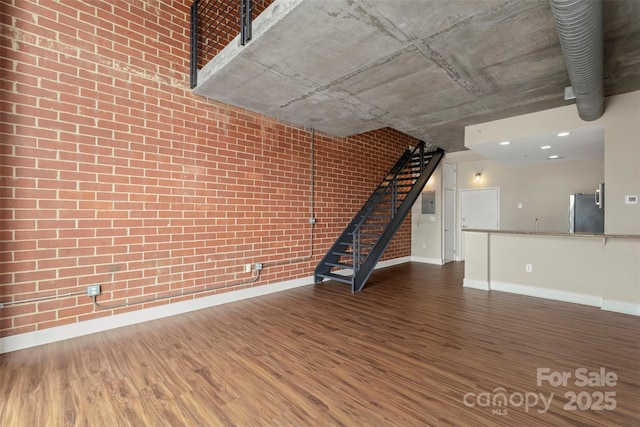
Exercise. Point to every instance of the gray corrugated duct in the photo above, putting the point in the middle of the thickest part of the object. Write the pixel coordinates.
(579, 24)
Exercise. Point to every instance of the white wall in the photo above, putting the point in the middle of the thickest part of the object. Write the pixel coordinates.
(476, 264)
(621, 122)
(568, 264)
(622, 162)
(426, 230)
(543, 190)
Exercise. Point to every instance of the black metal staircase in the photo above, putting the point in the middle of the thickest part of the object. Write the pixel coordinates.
(363, 241)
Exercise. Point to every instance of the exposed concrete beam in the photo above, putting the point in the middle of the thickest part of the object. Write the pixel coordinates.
(425, 67)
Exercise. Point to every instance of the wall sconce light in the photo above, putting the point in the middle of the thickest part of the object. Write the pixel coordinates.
(478, 176)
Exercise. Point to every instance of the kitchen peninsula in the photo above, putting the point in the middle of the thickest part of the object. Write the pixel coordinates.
(601, 270)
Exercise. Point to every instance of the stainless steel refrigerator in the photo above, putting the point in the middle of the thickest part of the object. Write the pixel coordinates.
(586, 212)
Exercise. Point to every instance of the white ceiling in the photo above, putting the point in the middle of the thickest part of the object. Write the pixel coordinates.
(581, 143)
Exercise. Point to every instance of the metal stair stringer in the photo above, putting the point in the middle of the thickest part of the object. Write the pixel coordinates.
(332, 257)
(365, 270)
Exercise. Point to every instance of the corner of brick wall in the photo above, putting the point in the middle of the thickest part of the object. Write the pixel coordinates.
(114, 173)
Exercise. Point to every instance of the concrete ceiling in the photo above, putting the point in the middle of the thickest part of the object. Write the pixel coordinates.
(427, 68)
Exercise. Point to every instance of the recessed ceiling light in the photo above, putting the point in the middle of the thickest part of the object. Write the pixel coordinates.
(555, 156)
(505, 143)
(564, 133)
(545, 147)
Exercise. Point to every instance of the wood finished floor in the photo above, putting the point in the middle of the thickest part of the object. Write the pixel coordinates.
(404, 352)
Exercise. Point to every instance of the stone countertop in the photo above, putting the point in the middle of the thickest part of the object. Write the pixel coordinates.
(556, 234)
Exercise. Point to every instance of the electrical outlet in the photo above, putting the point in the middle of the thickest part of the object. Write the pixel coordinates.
(247, 268)
(528, 268)
(258, 266)
(93, 290)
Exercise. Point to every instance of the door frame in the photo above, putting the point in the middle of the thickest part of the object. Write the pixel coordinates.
(452, 214)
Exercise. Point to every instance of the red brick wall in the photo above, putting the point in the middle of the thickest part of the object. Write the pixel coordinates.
(114, 173)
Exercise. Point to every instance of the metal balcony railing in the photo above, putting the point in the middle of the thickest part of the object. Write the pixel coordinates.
(215, 23)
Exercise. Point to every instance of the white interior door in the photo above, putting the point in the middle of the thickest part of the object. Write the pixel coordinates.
(479, 209)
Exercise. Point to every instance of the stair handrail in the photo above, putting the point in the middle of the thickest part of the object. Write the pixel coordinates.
(347, 233)
(394, 180)
(399, 167)
(383, 241)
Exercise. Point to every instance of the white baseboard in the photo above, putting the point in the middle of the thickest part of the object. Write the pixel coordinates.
(60, 333)
(424, 260)
(556, 295)
(392, 262)
(621, 307)
(475, 284)
(552, 294)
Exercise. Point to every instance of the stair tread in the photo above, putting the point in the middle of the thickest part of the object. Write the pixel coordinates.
(337, 277)
(347, 254)
(367, 235)
(339, 265)
(343, 253)
(366, 244)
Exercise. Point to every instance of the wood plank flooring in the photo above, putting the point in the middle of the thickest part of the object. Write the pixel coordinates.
(409, 350)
